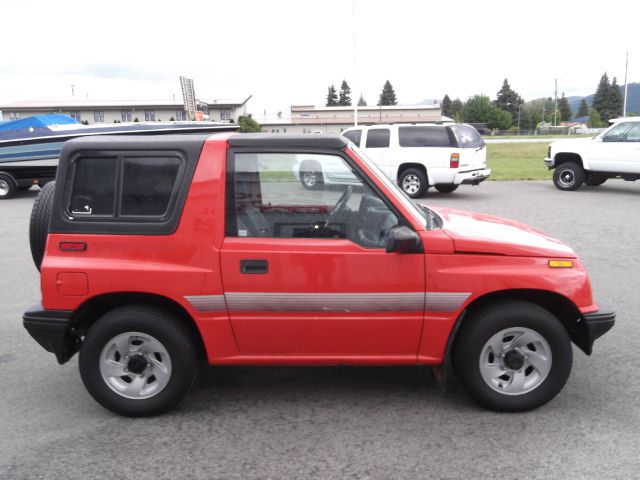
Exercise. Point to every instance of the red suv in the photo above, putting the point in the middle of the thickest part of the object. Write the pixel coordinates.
(158, 252)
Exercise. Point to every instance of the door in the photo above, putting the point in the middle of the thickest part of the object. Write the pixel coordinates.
(618, 150)
(305, 272)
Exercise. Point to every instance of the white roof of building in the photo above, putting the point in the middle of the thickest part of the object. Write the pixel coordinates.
(77, 102)
(305, 108)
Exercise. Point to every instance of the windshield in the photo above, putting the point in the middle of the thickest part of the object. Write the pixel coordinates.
(427, 217)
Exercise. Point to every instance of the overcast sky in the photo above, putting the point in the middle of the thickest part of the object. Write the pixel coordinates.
(288, 52)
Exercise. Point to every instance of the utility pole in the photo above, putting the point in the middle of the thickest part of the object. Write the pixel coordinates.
(355, 77)
(626, 67)
(555, 108)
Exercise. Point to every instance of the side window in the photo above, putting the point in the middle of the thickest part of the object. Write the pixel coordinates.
(618, 133)
(354, 136)
(633, 135)
(304, 195)
(124, 187)
(378, 138)
(423, 137)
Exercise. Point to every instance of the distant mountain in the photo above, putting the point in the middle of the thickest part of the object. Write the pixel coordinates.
(633, 99)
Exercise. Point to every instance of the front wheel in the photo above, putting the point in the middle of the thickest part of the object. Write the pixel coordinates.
(414, 182)
(138, 361)
(513, 357)
(446, 188)
(568, 176)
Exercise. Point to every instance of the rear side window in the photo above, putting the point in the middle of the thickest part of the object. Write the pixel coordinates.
(423, 137)
(354, 136)
(378, 138)
(124, 187)
(467, 136)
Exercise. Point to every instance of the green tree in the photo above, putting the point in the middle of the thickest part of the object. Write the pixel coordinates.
(345, 92)
(564, 108)
(508, 100)
(456, 108)
(362, 102)
(600, 98)
(248, 124)
(614, 100)
(388, 95)
(583, 109)
(446, 107)
(479, 109)
(332, 97)
(595, 121)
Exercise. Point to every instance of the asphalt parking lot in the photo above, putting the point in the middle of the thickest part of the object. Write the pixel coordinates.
(378, 423)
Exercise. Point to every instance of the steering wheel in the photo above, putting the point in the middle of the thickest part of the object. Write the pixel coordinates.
(342, 202)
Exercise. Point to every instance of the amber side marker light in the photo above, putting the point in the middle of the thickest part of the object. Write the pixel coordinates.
(560, 263)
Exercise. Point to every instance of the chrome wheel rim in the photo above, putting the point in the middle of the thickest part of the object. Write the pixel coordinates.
(411, 184)
(515, 361)
(567, 178)
(135, 365)
(4, 188)
(309, 178)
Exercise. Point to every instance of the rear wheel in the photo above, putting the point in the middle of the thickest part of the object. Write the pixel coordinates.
(446, 187)
(7, 186)
(568, 176)
(514, 356)
(138, 361)
(414, 182)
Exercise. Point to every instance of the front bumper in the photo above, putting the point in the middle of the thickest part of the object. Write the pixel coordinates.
(473, 177)
(52, 330)
(549, 162)
(597, 324)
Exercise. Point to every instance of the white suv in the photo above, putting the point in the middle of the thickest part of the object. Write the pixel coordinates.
(613, 153)
(418, 156)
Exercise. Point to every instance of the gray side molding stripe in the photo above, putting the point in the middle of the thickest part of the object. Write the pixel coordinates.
(329, 302)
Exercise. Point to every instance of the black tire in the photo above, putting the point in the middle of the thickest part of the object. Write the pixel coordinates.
(157, 324)
(8, 186)
(446, 187)
(472, 349)
(568, 176)
(594, 180)
(311, 176)
(414, 182)
(39, 223)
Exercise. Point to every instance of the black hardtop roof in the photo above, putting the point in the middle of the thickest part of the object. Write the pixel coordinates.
(135, 142)
(285, 140)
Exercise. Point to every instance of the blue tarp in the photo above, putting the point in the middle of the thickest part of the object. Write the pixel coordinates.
(37, 121)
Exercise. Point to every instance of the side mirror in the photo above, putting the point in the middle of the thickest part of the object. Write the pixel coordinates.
(404, 240)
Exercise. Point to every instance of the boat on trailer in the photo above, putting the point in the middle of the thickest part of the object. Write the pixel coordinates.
(30, 147)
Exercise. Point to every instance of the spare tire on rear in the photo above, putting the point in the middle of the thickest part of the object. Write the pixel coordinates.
(39, 224)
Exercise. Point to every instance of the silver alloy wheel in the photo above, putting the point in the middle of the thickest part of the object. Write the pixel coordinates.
(567, 178)
(4, 188)
(411, 184)
(309, 178)
(515, 361)
(135, 365)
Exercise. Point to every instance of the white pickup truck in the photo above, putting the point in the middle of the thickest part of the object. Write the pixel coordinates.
(612, 154)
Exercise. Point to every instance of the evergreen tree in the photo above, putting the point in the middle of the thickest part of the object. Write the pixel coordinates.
(248, 124)
(362, 102)
(344, 99)
(508, 100)
(583, 110)
(615, 100)
(564, 108)
(456, 108)
(595, 121)
(332, 97)
(446, 107)
(600, 97)
(388, 95)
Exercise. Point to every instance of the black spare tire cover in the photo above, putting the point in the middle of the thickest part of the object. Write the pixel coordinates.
(39, 224)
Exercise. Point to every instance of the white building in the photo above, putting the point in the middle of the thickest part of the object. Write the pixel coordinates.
(313, 119)
(110, 111)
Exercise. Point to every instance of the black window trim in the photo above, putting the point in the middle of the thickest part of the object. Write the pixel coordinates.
(231, 227)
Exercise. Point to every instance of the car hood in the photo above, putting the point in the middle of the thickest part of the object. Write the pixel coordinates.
(485, 234)
(571, 143)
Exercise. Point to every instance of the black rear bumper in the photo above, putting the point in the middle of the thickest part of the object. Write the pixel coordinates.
(597, 324)
(52, 330)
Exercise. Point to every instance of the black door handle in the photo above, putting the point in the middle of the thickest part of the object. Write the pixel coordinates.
(254, 266)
